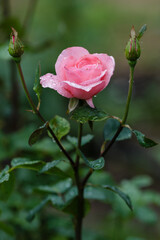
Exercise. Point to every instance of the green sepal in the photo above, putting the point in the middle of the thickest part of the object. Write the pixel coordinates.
(73, 103)
(143, 141)
(142, 31)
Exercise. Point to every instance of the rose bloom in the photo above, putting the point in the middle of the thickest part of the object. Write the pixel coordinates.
(80, 74)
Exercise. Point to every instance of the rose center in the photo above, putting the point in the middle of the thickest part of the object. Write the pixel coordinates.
(88, 61)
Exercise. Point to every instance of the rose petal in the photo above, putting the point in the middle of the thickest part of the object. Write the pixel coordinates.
(81, 75)
(68, 57)
(81, 92)
(51, 81)
(87, 87)
(108, 63)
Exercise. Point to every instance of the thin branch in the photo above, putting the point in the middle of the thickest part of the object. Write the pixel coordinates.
(87, 177)
(125, 113)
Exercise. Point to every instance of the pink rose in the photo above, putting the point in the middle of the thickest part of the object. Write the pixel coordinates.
(80, 74)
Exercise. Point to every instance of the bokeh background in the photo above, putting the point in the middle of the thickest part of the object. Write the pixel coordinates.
(101, 26)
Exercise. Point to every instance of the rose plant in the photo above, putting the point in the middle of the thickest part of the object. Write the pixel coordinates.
(79, 76)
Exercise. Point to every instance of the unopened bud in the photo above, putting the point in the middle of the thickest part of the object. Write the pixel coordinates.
(133, 50)
(16, 48)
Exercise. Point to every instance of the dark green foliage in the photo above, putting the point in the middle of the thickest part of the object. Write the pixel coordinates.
(4, 175)
(96, 164)
(85, 139)
(143, 141)
(111, 127)
(60, 127)
(37, 134)
(124, 196)
(85, 113)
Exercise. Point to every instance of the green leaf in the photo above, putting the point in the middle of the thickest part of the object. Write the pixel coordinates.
(85, 139)
(84, 114)
(59, 188)
(60, 126)
(98, 193)
(26, 163)
(51, 169)
(96, 164)
(57, 172)
(37, 86)
(111, 127)
(57, 201)
(73, 103)
(37, 134)
(141, 31)
(48, 166)
(70, 194)
(124, 196)
(36, 209)
(4, 175)
(143, 141)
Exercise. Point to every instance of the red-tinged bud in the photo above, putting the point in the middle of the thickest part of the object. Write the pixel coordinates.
(16, 48)
(133, 50)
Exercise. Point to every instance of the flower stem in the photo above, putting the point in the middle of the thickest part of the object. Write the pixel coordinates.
(79, 142)
(37, 112)
(129, 95)
(132, 67)
(80, 214)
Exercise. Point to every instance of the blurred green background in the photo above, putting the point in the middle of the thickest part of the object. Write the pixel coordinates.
(102, 26)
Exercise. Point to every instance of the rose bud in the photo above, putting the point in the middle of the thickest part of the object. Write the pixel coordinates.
(133, 50)
(16, 48)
